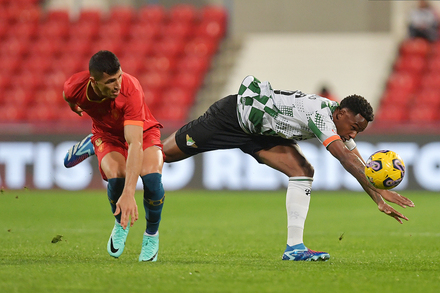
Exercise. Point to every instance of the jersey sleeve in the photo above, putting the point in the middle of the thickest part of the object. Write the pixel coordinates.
(323, 128)
(134, 109)
(68, 93)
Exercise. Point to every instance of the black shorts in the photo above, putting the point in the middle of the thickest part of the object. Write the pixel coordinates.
(218, 129)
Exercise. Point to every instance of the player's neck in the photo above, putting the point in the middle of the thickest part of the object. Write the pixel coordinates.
(93, 93)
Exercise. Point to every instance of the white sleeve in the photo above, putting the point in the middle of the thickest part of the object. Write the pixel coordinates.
(350, 144)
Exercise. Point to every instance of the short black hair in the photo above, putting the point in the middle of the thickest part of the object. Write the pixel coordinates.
(103, 61)
(358, 105)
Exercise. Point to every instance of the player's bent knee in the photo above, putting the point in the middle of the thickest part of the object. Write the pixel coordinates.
(309, 171)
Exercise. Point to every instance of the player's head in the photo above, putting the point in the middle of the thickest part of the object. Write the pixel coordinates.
(352, 116)
(105, 74)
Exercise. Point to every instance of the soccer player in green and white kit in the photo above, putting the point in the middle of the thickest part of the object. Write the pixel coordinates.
(266, 124)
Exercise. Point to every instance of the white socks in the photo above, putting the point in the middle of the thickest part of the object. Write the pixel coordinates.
(297, 205)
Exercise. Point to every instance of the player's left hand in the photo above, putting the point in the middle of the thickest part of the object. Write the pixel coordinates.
(387, 209)
(396, 198)
(127, 206)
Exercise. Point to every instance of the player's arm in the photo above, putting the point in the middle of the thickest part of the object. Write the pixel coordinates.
(74, 107)
(355, 166)
(127, 203)
(356, 152)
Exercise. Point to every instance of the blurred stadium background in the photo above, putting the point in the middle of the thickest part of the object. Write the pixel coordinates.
(188, 54)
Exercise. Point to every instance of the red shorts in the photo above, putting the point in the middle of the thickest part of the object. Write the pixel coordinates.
(105, 143)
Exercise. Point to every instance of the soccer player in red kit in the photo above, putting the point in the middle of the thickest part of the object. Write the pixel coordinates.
(126, 140)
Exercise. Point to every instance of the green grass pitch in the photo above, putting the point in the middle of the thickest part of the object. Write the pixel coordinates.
(217, 242)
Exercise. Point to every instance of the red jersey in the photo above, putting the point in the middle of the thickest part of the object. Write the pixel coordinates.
(111, 115)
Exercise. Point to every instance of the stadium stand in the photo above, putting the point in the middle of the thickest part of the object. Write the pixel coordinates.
(168, 50)
(412, 92)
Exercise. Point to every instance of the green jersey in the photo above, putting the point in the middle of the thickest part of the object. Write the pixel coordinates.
(288, 114)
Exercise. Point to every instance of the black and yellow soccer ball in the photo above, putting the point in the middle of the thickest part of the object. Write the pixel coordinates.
(385, 169)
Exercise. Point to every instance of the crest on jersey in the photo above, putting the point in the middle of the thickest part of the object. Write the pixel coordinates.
(190, 142)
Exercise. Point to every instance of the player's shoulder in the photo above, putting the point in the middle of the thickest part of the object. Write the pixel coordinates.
(75, 83)
(318, 102)
(130, 84)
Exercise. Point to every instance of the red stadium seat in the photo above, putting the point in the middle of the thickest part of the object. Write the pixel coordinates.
(54, 79)
(152, 97)
(211, 29)
(433, 64)
(47, 47)
(84, 30)
(171, 112)
(58, 16)
(396, 97)
(5, 80)
(393, 113)
(154, 81)
(138, 48)
(41, 113)
(403, 81)
(430, 80)
(217, 13)
(183, 13)
(181, 30)
(22, 31)
(27, 79)
(69, 64)
(113, 45)
(152, 13)
(4, 27)
(37, 63)
(48, 96)
(193, 64)
(131, 63)
(422, 113)
(117, 30)
(13, 47)
(77, 47)
(429, 97)
(12, 113)
(169, 47)
(160, 64)
(418, 46)
(190, 81)
(18, 96)
(11, 64)
(410, 64)
(122, 13)
(177, 96)
(145, 31)
(202, 47)
(53, 30)
(90, 16)
(26, 13)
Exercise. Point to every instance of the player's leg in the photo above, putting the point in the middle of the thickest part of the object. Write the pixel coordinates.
(111, 158)
(79, 152)
(290, 160)
(154, 194)
(172, 152)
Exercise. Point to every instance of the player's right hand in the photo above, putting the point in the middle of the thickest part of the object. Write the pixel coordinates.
(387, 209)
(126, 205)
(396, 198)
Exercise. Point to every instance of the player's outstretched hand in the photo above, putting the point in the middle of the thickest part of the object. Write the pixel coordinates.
(396, 198)
(387, 209)
(126, 205)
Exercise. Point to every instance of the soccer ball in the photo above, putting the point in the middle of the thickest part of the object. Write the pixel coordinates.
(385, 169)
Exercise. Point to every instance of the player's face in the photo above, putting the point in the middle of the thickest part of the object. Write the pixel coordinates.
(110, 85)
(348, 124)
